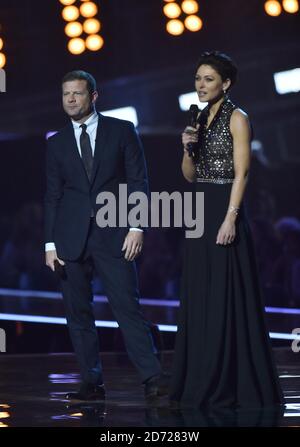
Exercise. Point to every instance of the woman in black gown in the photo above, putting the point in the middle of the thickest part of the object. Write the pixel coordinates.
(222, 354)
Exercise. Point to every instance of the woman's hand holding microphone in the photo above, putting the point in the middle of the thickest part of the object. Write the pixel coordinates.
(189, 139)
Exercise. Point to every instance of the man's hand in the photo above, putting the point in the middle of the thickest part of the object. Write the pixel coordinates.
(133, 244)
(51, 256)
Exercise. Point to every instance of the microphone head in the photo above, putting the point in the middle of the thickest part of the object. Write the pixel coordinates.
(194, 111)
(194, 108)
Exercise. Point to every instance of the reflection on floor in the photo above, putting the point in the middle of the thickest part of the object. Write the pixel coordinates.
(32, 389)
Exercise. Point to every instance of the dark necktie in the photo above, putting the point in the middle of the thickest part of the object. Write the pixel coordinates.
(86, 151)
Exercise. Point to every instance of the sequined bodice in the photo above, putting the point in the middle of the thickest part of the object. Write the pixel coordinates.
(214, 161)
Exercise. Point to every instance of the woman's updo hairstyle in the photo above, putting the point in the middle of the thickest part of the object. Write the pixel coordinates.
(220, 62)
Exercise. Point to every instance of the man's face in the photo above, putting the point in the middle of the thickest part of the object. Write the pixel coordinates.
(77, 101)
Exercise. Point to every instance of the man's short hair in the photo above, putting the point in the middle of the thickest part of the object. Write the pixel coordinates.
(80, 75)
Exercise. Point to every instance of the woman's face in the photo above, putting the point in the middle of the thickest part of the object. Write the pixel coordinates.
(209, 84)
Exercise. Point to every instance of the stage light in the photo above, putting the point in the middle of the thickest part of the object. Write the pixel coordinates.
(4, 415)
(172, 10)
(2, 65)
(2, 60)
(88, 9)
(123, 113)
(73, 29)
(290, 6)
(67, 2)
(190, 6)
(94, 42)
(177, 24)
(70, 13)
(287, 81)
(193, 23)
(76, 45)
(50, 133)
(91, 26)
(175, 27)
(273, 8)
(86, 24)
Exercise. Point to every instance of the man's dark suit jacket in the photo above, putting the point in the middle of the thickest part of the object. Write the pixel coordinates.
(70, 196)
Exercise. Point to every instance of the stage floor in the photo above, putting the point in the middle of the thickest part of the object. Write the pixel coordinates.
(32, 389)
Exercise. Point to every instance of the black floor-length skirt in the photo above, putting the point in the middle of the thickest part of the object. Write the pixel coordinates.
(223, 355)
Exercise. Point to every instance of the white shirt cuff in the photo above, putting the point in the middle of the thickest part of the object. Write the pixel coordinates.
(50, 246)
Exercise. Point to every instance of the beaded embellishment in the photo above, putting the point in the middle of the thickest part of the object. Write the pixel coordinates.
(214, 162)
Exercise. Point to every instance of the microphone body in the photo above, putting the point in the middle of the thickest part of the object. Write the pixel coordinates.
(193, 115)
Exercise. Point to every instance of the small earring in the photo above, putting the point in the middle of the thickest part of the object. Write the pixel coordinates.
(224, 91)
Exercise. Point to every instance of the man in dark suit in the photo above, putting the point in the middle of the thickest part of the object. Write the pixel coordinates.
(94, 154)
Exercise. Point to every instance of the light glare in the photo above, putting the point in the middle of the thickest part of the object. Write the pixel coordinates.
(76, 45)
(175, 27)
(287, 81)
(273, 8)
(193, 23)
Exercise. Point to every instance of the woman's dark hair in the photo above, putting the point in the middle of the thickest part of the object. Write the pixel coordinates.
(222, 63)
(80, 75)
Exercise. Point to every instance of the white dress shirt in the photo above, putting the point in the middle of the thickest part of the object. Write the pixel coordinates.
(91, 128)
(92, 125)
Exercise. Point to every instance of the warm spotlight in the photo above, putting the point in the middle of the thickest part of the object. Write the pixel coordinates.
(88, 9)
(73, 29)
(175, 27)
(190, 6)
(172, 10)
(91, 26)
(273, 8)
(1, 43)
(2, 60)
(76, 45)
(290, 6)
(70, 13)
(4, 415)
(94, 42)
(67, 2)
(193, 23)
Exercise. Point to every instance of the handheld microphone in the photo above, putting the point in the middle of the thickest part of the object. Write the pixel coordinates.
(59, 269)
(193, 115)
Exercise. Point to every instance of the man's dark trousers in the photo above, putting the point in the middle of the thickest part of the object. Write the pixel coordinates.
(120, 285)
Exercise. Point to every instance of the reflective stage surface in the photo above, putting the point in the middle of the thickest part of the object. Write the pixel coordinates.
(33, 387)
